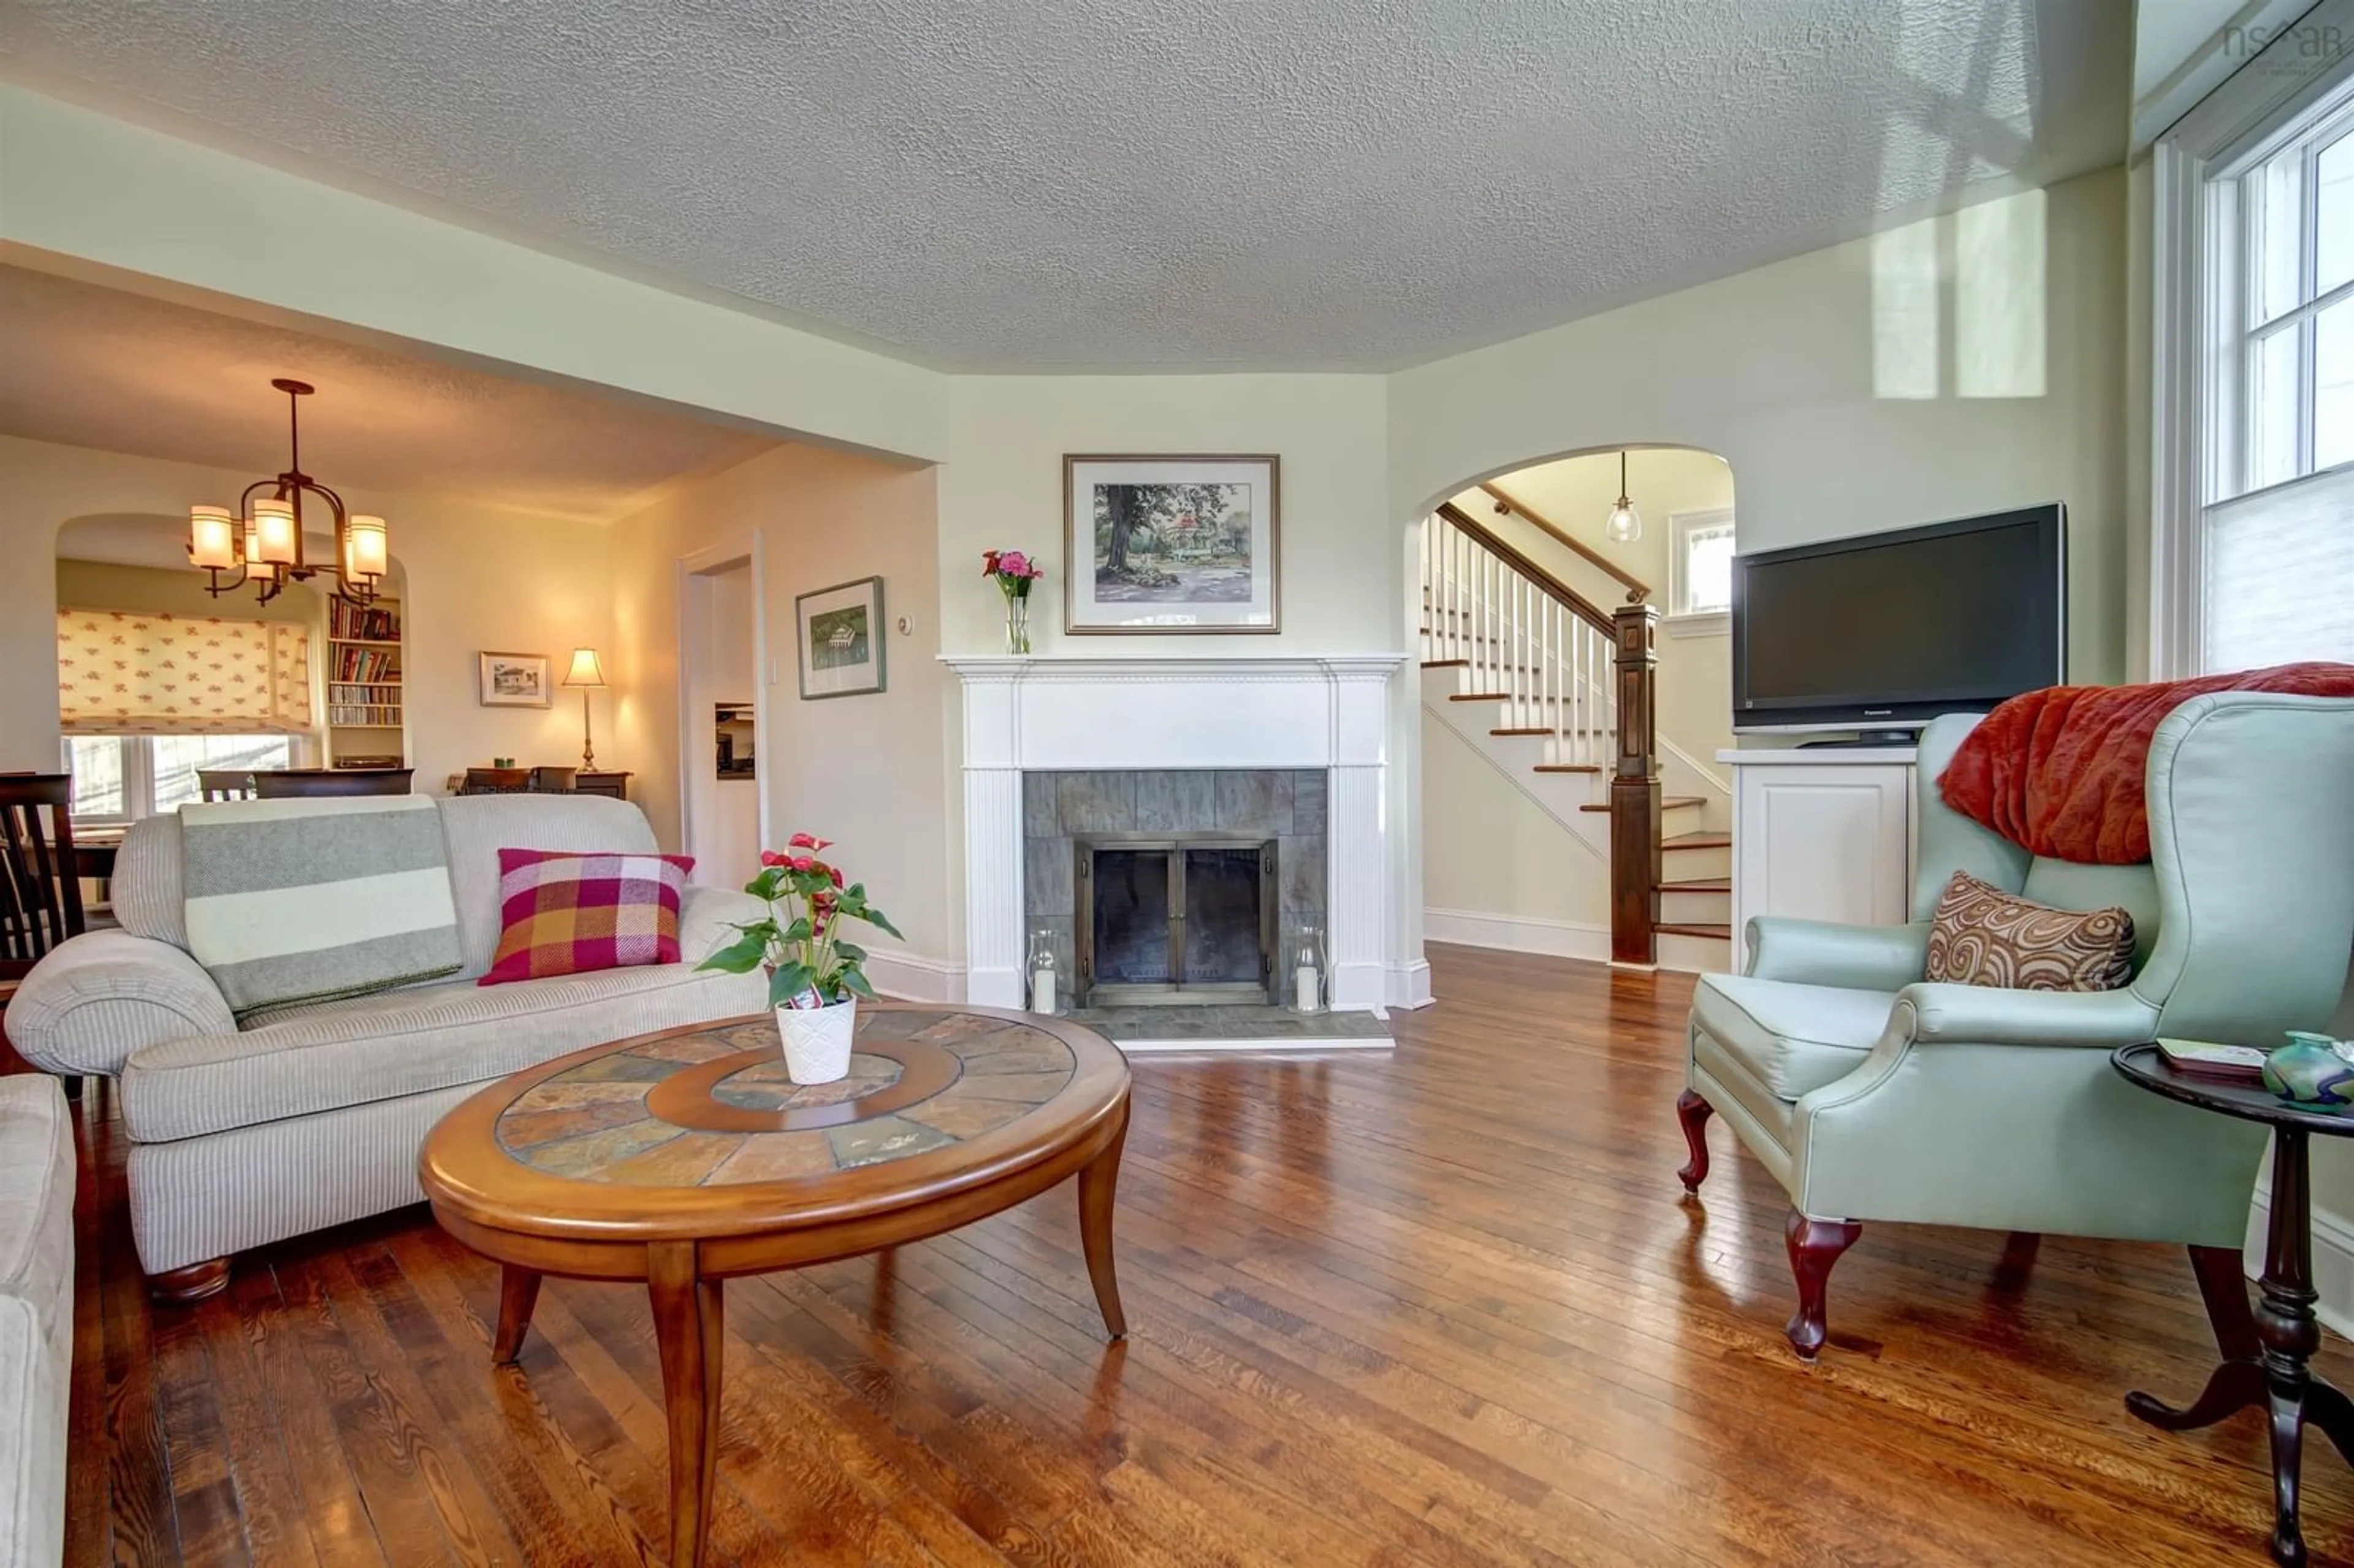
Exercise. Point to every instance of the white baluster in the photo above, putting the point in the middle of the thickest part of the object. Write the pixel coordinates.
(1544, 674)
(1520, 586)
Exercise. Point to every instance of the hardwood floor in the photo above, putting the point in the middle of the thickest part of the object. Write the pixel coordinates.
(1444, 1307)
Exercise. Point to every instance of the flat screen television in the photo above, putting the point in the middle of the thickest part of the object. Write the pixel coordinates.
(1888, 630)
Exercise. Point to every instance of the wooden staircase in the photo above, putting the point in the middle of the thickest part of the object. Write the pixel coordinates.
(1568, 689)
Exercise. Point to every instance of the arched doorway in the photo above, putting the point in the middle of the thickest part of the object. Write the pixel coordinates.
(1518, 583)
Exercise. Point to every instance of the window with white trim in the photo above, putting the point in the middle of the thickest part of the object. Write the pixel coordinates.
(1699, 566)
(2252, 497)
(119, 778)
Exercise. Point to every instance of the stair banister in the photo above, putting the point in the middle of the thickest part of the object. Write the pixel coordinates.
(1636, 859)
(1638, 591)
(1541, 648)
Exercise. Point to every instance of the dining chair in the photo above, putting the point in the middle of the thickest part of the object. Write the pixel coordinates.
(317, 783)
(40, 891)
(225, 783)
(497, 781)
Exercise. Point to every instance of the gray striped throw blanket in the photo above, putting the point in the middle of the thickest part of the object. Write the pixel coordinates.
(302, 901)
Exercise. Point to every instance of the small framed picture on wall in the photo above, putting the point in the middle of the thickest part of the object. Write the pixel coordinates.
(514, 681)
(842, 639)
(1171, 543)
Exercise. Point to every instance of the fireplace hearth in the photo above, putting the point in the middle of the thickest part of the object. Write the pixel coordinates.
(1171, 919)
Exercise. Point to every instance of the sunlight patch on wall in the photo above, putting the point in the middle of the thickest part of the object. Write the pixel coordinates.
(1998, 331)
(1976, 279)
(1904, 312)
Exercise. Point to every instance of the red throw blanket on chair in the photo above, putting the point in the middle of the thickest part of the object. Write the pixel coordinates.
(2061, 770)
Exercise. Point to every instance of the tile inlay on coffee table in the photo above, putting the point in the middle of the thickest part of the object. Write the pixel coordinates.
(659, 1114)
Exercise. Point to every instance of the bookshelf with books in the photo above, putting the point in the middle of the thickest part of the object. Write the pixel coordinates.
(365, 691)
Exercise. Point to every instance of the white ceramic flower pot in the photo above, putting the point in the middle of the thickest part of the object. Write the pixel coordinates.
(817, 1041)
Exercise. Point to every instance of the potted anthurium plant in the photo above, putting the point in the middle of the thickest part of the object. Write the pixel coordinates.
(1014, 574)
(815, 977)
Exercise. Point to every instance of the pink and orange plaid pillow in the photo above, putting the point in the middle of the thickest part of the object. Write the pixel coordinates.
(570, 913)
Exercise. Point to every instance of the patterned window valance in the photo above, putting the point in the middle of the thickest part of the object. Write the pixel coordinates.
(122, 672)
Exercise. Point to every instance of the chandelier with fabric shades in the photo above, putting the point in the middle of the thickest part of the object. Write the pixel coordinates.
(261, 541)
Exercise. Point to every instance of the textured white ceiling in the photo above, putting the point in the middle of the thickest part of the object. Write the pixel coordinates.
(1146, 182)
(94, 366)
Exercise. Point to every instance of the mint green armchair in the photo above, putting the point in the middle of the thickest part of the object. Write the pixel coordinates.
(1872, 1095)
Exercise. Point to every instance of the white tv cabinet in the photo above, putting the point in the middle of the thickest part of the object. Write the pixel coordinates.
(1820, 834)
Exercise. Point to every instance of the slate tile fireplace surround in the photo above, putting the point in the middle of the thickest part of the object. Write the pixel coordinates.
(1280, 808)
(1290, 750)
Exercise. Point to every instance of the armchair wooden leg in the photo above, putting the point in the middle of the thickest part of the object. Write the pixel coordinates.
(1693, 1112)
(1814, 1245)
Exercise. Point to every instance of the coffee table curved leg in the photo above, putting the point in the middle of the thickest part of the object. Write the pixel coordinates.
(689, 1331)
(519, 1294)
(1098, 1182)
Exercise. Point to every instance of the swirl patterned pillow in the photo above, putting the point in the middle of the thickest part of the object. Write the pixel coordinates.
(1982, 936)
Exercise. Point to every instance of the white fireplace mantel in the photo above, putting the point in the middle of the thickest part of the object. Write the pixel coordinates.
(1060, 713)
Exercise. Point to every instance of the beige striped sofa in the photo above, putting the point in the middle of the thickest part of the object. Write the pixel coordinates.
(313, 1116)
(37, 1278)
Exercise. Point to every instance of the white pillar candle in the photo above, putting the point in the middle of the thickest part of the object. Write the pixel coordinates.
(1042, 990)
(1305, 984)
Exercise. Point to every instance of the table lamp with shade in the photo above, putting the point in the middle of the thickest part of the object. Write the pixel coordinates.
(588, 676)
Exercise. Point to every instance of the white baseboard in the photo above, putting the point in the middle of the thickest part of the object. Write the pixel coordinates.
(912, 977)
(1517, 934)
(2333, 1259)
(1254, 1048)
(1409, 985)
(1564, 939)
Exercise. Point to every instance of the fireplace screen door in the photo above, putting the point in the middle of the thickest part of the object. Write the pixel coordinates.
(1183, 918)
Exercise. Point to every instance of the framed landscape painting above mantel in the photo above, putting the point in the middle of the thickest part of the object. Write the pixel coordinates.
(1162, 543)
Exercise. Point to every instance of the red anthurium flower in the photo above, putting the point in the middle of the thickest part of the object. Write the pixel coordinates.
(834, 871)
(770, 857)
(803, 841)
(801, 862)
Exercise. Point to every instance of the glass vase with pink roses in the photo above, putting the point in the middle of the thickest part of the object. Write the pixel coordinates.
(1013, 573)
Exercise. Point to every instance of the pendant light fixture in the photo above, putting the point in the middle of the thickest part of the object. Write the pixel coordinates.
(1624, 524)
(263, 541)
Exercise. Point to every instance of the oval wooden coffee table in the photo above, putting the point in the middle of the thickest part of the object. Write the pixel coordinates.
(684, 1157)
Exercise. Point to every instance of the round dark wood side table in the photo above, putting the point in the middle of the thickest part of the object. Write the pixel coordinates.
(2275, 1377)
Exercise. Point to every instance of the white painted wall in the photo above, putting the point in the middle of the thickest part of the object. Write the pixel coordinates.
(477, 578)
(719, 665)
(868, 772)
(1782, 372)
(1839, 399)
(1001, 488)
(85, 188)
(1345, 575)
(1490, 852)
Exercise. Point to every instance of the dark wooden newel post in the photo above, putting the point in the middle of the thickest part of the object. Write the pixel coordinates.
(1635, 790)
